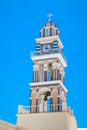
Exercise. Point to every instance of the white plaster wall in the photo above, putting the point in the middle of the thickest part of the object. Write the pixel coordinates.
(47, 121)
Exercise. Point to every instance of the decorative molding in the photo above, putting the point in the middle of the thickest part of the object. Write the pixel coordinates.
(48, 39)
(40, 62)
(50, 56)
(55, 82)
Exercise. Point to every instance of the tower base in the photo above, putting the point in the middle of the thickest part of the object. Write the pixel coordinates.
(47, 121)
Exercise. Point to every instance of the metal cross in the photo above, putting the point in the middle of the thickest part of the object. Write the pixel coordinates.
(49, 16)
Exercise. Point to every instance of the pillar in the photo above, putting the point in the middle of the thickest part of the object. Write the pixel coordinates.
(36, 73)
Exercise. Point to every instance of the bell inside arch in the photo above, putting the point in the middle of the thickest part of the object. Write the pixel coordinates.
(46, 95)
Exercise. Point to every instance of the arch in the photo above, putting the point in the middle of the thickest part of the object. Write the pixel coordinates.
(41, 92)
(50, 61)
(44, 90)
(43, 95)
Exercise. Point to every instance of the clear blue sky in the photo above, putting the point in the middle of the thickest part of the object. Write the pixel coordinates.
(20, 22)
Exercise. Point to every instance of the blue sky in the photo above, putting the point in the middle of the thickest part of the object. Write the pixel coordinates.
(20, 22)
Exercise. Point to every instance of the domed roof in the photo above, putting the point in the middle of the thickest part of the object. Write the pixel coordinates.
(50, 23)
(49, 29)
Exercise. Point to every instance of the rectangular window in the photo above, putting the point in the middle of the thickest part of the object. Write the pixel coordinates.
(56, 31)
(50, 31)
(59, 76)
(53, 32)
(43, 32)
(45, 75)
(48, 75)
(30, 104)
(34, 76)
(58, 90)
(40, 34)
(38, 79)
(37, 109)
(47, 32)
(58, 103)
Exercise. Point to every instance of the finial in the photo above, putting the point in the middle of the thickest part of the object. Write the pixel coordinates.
(49, 16)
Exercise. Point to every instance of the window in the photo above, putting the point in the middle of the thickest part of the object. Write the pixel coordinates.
(53, 32)
(59, 104)
(47, 32)
(45, 75)
(36, 105)
(58, 90)
(50, 76)
(49, 102)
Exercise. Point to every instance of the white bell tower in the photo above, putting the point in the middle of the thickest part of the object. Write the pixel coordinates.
(48, 108)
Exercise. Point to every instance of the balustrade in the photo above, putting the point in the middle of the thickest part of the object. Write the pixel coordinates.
(36, 109)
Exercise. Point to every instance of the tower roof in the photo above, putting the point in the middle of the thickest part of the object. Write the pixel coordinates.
(50, 23)
(49, 29)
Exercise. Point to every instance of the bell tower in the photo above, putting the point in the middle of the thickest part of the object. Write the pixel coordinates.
(48, 92)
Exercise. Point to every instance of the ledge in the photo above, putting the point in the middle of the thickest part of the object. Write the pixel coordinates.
(55, 82)
(50, 56)
(50, 39)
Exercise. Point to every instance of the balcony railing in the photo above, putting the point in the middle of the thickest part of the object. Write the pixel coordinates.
(35, 53)
(42, 109)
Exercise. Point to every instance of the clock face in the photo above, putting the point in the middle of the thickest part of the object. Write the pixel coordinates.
(46, 48)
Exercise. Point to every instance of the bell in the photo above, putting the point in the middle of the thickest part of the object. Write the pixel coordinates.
(47, 93)
(45, 98)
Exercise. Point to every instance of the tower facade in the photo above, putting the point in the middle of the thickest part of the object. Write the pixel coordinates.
(48, 92)
(48, 107)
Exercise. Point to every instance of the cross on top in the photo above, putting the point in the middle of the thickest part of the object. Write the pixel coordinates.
(49, 16)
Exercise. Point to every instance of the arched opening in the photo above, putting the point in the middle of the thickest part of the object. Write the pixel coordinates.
(49, 104)
(44, 96)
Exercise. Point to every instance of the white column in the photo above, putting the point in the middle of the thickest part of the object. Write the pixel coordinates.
(64, 107)
(45, 70)
(20, 109)
(61, 72)
(54, 70)
(35, 70)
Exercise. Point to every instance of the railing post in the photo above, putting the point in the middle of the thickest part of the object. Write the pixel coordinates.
(20, 109)
(64, 107)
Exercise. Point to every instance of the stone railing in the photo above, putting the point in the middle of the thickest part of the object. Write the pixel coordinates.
(42, 108)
